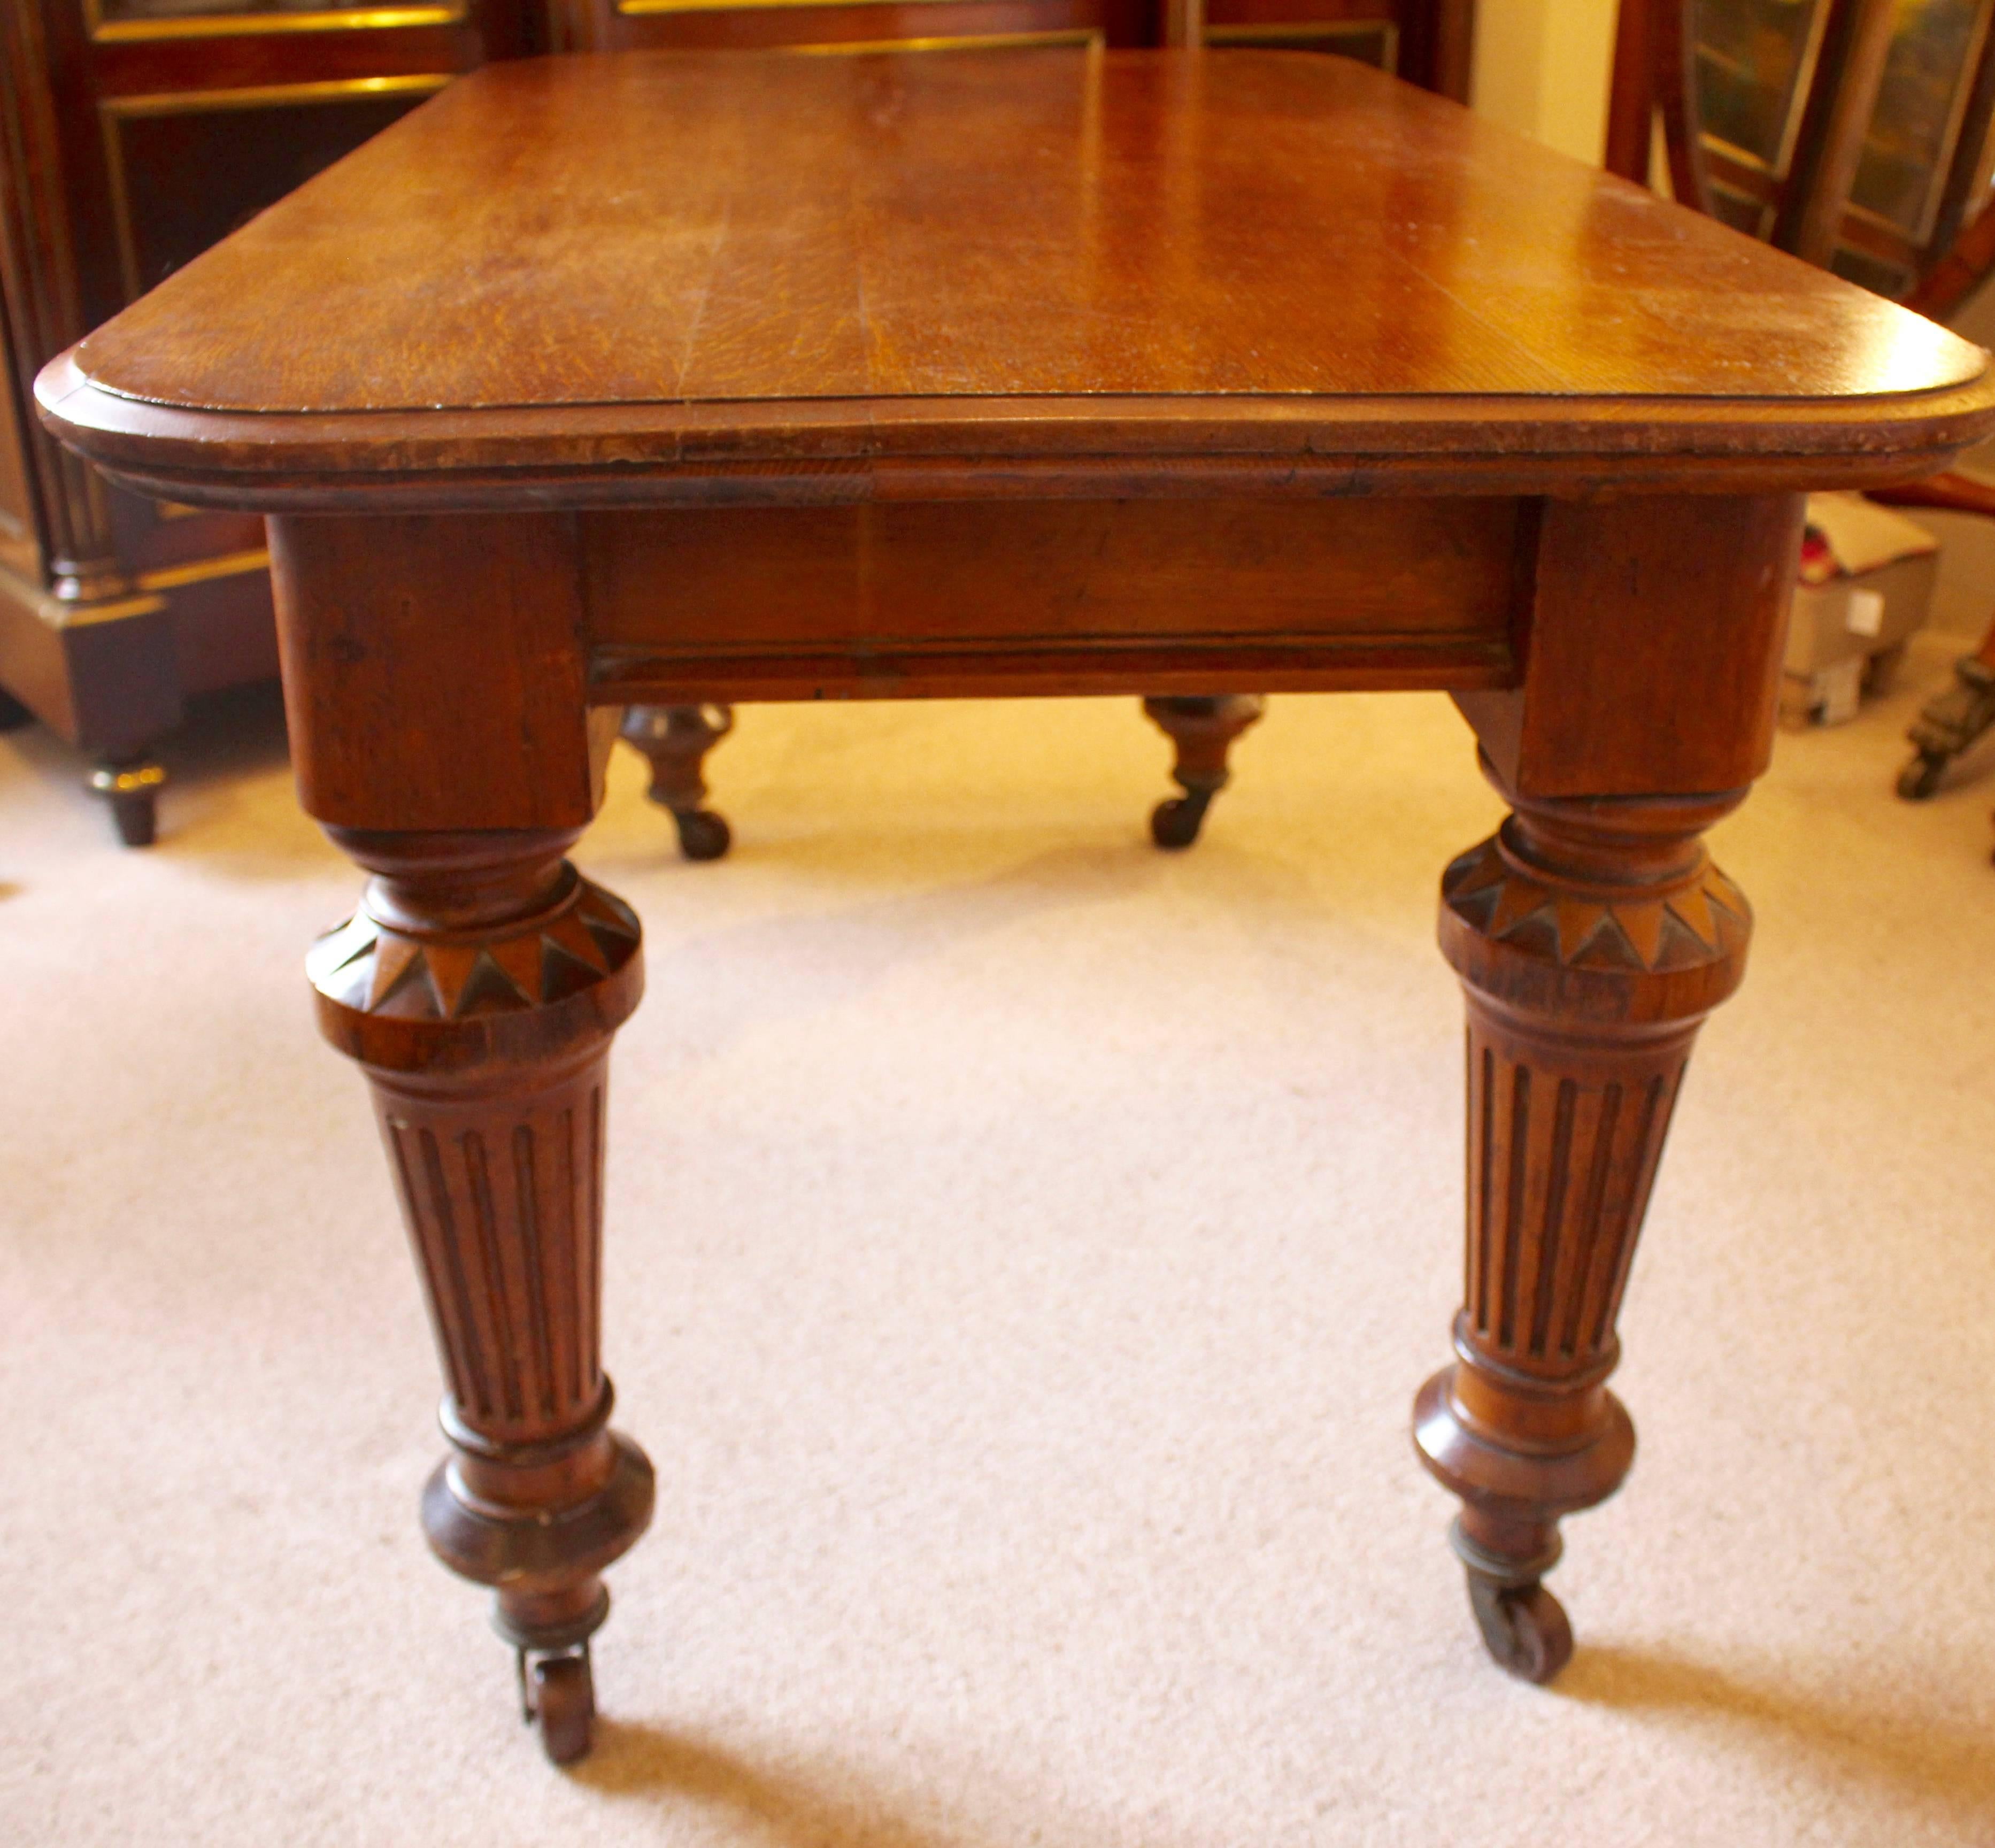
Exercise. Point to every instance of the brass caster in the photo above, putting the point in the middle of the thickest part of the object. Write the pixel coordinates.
(1524, 1626)
(559, 1693)
(1175, 823)
(703, 835)
(132, 790)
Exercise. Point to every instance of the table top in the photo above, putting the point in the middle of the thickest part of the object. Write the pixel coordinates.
(657, 270)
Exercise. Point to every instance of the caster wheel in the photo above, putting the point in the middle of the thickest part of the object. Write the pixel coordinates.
(1175, 823)
(13, 714)
(1524, 1626)
(1920, 777)
(564, 1704)
(703, 834)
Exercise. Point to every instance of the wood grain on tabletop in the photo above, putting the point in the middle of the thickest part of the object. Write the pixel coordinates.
(661, 228)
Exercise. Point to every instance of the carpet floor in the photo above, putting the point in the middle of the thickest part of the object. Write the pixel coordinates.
(1024, 1248)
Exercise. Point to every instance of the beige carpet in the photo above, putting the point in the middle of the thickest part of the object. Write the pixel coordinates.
(1023, 1249)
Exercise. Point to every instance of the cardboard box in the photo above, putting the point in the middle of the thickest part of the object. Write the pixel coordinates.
(1867, 577)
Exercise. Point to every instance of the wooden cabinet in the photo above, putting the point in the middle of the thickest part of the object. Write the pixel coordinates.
(1425, 41)
(134, 133)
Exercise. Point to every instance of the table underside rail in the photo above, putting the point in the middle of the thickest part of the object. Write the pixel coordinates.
(1054, 666)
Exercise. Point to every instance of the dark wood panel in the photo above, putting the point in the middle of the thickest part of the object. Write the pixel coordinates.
(104, 678)
(1368, 30)
(224, 632)
(186, 171)
(20, 526)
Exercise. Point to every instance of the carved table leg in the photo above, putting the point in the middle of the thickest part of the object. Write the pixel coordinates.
(675, 739)
(1202, 730)
(479, 985)
(1591, 938)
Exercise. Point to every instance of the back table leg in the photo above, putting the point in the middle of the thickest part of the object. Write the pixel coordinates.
(479, 985)
(1591, 938)
(675, 741)
(1202, 729)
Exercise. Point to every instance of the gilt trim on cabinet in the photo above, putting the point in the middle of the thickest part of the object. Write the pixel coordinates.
(643, 9)
(247, 25)
(1077, 38)
(199, 571)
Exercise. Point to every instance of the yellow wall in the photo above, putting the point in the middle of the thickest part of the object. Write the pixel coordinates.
(1542, 67)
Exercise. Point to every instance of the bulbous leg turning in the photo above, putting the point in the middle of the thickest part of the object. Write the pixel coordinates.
(478, 986)
(1591, 940)
(675, 741)
(1203, 730)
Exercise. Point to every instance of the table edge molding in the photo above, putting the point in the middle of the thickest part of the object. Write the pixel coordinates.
(828, 451)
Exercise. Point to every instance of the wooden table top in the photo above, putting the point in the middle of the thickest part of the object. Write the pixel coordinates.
(678, 267)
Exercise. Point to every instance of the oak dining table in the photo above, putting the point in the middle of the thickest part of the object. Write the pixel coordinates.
(664, 378)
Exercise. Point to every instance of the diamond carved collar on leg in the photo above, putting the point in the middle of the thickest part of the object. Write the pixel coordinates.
(1705, 919)
(374, 969)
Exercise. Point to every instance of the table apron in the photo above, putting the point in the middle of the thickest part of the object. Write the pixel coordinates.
(440, 668)
(940, 598)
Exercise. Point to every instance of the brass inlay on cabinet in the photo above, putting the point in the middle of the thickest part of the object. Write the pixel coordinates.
(636, 7)
(121, 21)
(265, 96)
(1087, 38)
(199, 571)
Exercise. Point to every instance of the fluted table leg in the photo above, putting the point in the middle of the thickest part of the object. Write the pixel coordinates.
(479, 985)
(1591, 938)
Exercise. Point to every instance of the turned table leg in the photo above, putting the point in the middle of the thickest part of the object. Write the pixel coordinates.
(1591, 938)
(479, 985)
(1201, 730)
(675, 741)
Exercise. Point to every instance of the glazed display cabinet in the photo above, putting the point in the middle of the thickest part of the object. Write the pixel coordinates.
(134, 133)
